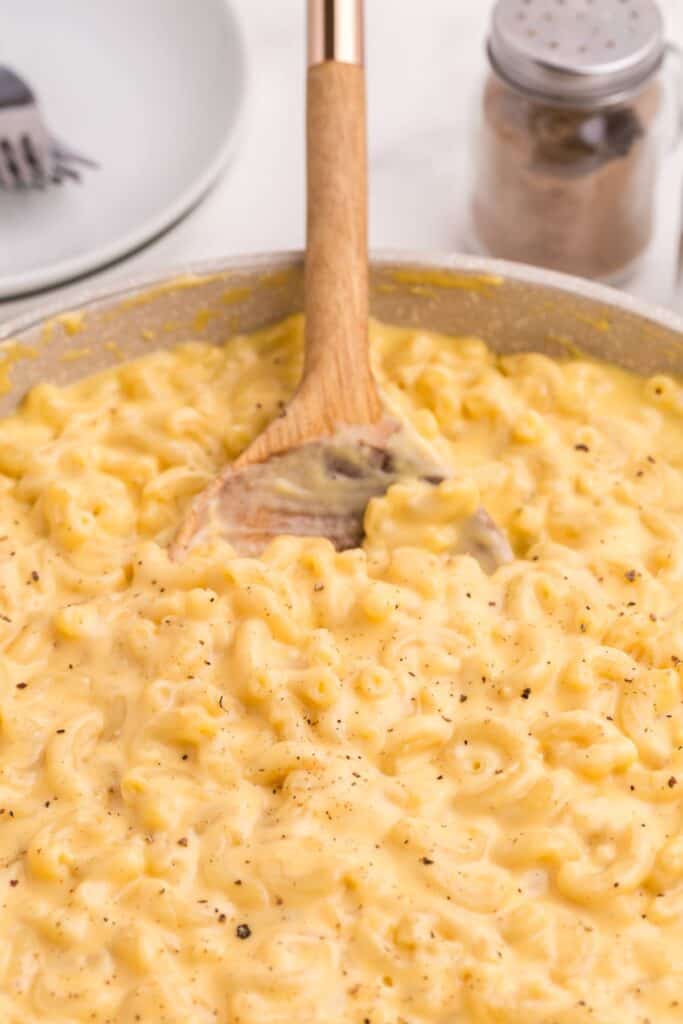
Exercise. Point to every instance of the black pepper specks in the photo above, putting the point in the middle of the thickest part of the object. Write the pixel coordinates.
(243, 931)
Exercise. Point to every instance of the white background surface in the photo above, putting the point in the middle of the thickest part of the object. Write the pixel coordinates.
(425, 61)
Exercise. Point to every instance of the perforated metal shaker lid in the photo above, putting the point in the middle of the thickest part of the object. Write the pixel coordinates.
(577, 53)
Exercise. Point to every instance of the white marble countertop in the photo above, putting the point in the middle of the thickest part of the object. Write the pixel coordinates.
(425, 63)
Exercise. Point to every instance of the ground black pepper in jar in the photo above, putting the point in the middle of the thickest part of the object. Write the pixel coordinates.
(569, 140)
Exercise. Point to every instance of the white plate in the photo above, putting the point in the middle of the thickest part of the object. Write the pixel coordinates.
(151, 89)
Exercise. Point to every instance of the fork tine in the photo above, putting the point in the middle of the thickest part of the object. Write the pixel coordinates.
(65, 171)
(6, 178)
(35, 159)
(24, 155)
(18, 163)
(8, 164)
(67, 155)
(24, 169)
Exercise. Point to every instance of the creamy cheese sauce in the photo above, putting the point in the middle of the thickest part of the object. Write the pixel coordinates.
(372, 786)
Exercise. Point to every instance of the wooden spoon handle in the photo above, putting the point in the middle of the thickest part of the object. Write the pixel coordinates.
(337, 388)
(337, 376)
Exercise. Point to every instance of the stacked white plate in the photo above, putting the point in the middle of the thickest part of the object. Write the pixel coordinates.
(153, 90)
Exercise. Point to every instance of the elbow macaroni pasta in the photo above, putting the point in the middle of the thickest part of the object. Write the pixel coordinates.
(360, 788)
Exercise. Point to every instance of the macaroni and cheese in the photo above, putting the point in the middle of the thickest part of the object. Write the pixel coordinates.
(368, 787)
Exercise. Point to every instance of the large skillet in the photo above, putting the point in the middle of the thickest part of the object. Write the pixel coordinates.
(512, 307)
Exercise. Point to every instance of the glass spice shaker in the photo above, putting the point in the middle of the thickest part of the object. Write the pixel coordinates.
(570, 135)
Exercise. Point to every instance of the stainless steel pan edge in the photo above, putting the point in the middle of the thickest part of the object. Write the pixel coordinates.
(512, 307)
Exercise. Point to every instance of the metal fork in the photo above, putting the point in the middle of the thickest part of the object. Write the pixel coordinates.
(29, 157)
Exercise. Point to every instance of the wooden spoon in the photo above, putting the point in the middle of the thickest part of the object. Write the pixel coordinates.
(313, 470)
